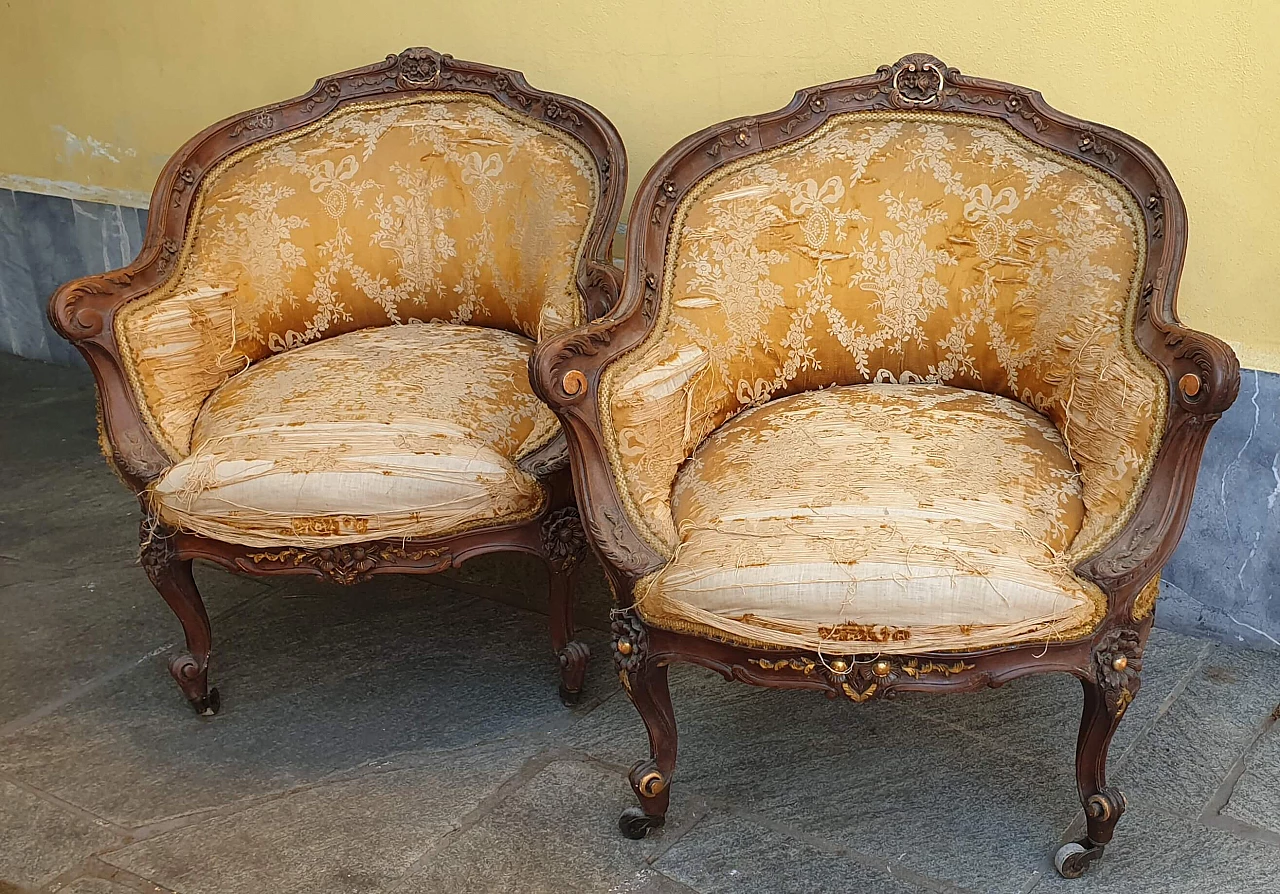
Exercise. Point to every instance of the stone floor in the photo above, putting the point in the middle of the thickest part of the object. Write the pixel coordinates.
(405, 736)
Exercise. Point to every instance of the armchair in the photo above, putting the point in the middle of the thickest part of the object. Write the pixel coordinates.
(895, 399)
(318, 363)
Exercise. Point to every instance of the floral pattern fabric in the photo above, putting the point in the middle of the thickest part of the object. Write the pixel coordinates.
(448, 207)
(400, 431)
(896, 248)
(877, 518)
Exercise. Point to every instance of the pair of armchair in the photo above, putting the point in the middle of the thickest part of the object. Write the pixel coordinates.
(893, 396)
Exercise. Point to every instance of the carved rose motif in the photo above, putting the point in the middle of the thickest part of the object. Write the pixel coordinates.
(563, 539)
(1117, 661)
(630, 641)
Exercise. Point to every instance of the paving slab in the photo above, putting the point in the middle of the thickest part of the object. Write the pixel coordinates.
(1037, 718)
(60, 633)
(731, 855)
(346, 837)
(881, 774)
(556, 835)
(94, 885)
(1160, 853)
(40, 840)
(314, 680)
(1255, 798)
(493, 575)
(1185, 758)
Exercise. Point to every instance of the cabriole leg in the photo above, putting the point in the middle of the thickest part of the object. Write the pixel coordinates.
(564, 546)
(645, 682)
(173, 579)
(1117, 661)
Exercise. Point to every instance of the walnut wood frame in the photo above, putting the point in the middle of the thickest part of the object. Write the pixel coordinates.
(1203, 380)
(83, 312)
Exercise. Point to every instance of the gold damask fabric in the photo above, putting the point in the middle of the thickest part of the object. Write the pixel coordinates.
(448, 207)
(896, 248)
(877, 518)
(400, 431)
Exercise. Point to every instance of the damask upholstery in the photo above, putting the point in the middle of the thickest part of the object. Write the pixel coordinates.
(399, 431)
(896, 248)
(440, 206)
(865, 518)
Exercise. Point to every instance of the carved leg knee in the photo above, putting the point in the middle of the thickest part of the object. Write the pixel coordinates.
(564, 545)
(646, 684)
(172, 578)
(1117, 660)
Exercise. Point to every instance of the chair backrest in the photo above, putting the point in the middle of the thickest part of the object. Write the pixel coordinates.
(914, 226)
(419, 189)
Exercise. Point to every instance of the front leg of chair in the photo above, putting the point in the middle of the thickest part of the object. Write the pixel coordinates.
(645, 681)
(564, 546)
(172, 576)
(1116, 663)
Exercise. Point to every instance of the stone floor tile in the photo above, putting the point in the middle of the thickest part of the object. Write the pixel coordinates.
(731, 855)
(880, 773)
(1154, 851)
(61, 633)
(1037, 718)
(492, 576)
(345, 837)
(556, 835)
(1255, 798)
(1181, 763)
(41, 840)
(91, 885)
(314, 680)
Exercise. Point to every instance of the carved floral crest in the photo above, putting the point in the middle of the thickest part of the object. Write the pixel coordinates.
(419, 67)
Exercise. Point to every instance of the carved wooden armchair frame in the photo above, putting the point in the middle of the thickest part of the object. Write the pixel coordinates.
(1202, 375)
(84, 310)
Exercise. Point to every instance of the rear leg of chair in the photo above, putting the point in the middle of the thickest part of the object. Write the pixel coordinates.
(564, 546)
(645, 682)
(173, 579)
(1117, 661)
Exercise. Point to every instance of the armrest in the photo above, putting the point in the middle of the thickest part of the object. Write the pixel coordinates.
(565, 372)
(82, 311)
(1204, 380)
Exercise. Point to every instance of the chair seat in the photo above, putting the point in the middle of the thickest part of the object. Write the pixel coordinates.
(402, 431)
(877, 518)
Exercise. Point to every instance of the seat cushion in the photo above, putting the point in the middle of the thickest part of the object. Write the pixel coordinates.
(888, 518)
(402, 431)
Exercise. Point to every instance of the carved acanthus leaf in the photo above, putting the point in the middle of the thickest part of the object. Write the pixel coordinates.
(349, 564)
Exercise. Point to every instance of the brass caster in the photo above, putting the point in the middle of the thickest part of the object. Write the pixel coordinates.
(569, 697)
(635, 823)
(1074, 857)
(209, 705)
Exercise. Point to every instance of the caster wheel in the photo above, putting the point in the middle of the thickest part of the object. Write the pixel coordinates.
(1073, 858)
(209, 705)
(570, 697)
(635, 823)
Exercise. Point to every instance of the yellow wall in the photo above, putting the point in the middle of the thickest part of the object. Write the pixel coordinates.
(101, 91)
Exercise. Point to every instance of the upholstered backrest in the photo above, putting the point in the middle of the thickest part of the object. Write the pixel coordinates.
(439, 206)
(896, 247)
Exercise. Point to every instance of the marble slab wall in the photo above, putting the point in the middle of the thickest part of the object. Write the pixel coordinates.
(1224, 580)
(45, 241)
